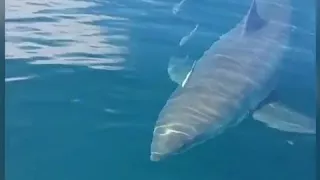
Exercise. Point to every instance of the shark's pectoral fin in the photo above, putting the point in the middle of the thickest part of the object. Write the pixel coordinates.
(253, 21)
(279, 116)
(179, 70)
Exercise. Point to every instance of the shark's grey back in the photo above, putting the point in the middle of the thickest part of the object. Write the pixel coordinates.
(233, 76)
(237, 65)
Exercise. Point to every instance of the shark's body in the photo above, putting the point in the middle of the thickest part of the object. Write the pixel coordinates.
(231, 79)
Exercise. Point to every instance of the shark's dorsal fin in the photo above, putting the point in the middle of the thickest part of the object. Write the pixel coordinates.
(253, 20)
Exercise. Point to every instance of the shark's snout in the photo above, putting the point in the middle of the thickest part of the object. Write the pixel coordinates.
(155, 157)
(167, 142)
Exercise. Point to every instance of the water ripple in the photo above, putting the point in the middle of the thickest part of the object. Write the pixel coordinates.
(64, 33)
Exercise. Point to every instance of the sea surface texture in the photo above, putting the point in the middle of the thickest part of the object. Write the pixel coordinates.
(86, 80)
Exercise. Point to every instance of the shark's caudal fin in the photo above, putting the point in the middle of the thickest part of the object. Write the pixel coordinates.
(253, 20)
(279, 116)
(179, 70)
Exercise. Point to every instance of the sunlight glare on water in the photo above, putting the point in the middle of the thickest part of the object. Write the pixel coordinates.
(60, 33)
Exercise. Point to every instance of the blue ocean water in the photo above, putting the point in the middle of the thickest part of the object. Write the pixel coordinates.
(85, 81)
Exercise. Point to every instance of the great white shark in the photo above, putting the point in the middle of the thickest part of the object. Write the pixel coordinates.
(230, 82)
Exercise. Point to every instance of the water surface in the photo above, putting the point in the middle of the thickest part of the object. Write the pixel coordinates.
(85, 81)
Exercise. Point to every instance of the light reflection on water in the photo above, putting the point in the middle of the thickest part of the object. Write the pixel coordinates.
(58, 32)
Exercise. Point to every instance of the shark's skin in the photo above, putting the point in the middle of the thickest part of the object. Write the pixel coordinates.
(227, 82)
